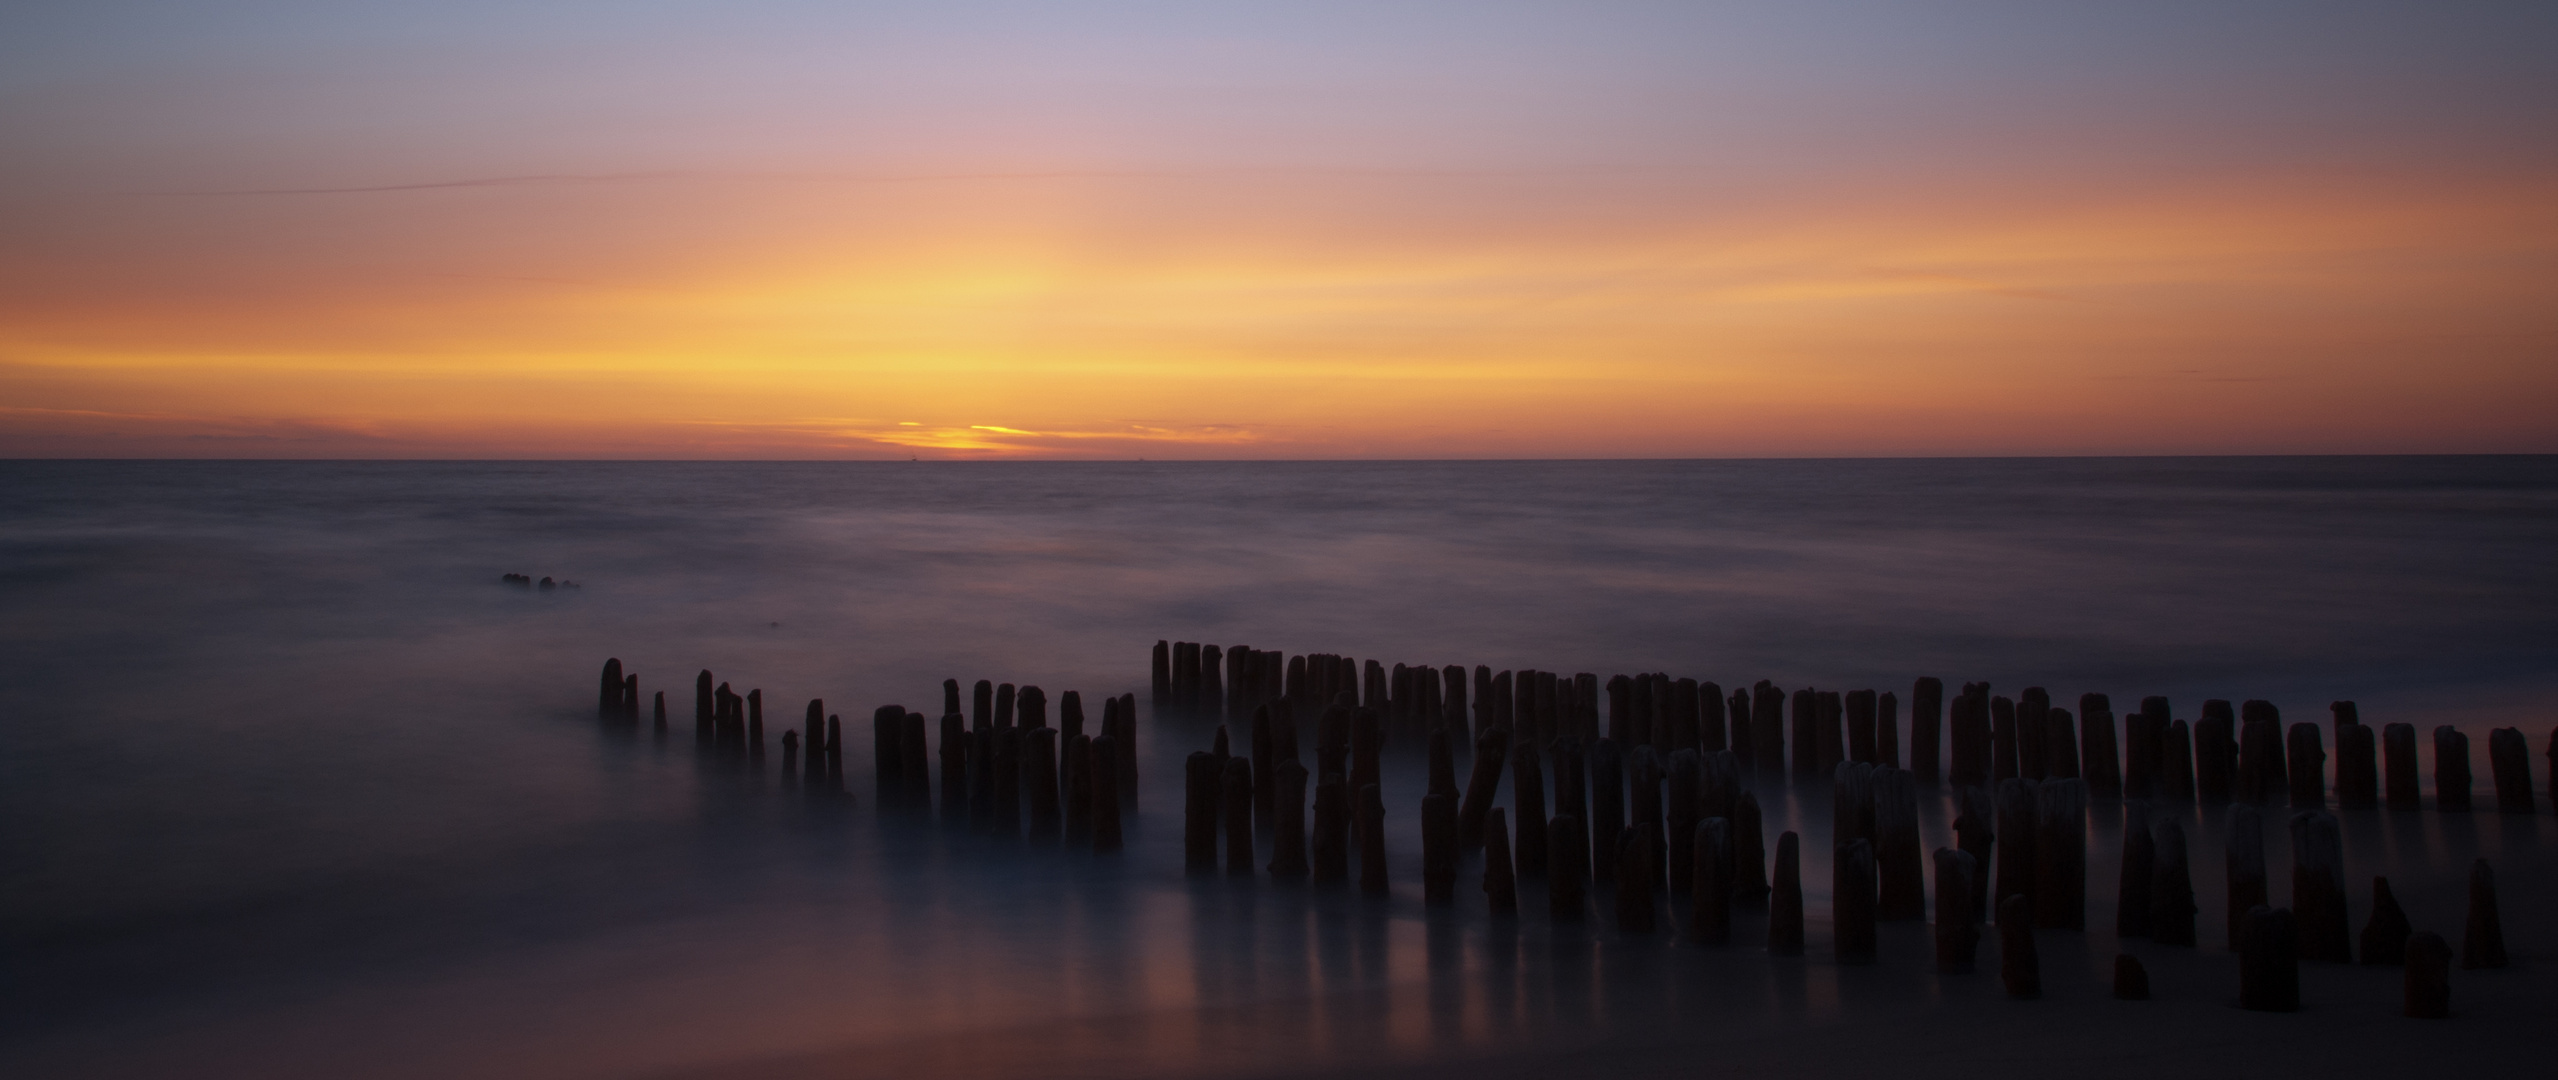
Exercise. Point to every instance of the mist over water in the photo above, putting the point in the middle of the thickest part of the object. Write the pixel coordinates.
(289, 783)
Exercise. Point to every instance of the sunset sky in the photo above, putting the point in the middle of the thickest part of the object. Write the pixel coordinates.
(1287, 230)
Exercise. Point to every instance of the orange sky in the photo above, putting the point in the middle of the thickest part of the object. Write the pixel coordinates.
(312, 263)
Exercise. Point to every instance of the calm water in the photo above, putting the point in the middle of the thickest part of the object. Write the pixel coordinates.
(289, 784)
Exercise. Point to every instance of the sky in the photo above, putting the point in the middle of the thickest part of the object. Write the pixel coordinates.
(757, 229)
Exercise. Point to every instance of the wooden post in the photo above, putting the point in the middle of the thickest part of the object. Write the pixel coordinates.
(916, 772)
(1972, 739)
(950, 697)
(1710, 915)
(608, 694)
(2307, 760)
(2318, 888)
(1372, 841)
(1332, 831)
(790, 755)
(1527, 800)
(1749, 852)
(2398, 755)
(954, 764)
(1903, 893)
(2245, 855)
(1568, 875)
(1127, 753)
(1807, 737)
(1039, 771)
(1852, 906)
(1958, 923)
(1500, 886)
(1745, 738)
(2019, 967)
(2428, 983)
(1491, 752)
(1162, 684)
(1634, 882)
(2482, 938)
(2003, 749)
(705, 707)
(1439, 842)
(1887, 730)
(2018, 814)
(2384, 938)
(888, 752)
(2451, 770)
(1007, 781)
(1830, 736)
(1861, 740)
(1607, 807)
(659, 725)
(2216, 753)
(1714, 733)
(2268, 961)
(1785, 907)
(1767, 728)
(1975, 811)
(1927, 703)
(2033, 733)
(1571, 811)
(2357, 768)
(2098, 763)
(1367, 740)
(1264, 761)
(2060, 745)
(1078, 788)
(2176, 764)
(2509, 761)
(1643, 787)
(2261, 773)
(2133, 884)
(2060, 855)
(1105, 795)
(2141, 732)
(1208, 698)
(1007, 698)
(1686, 797)
(1288, 831)
(2171, 906)
(1238, 793)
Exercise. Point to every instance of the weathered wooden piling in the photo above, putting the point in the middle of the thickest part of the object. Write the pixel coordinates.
(1288, 829)
(2142, 729)
(2060, 855)
(1162, 683)
(1568, 872)
(1264, 761)
(2033, 733)
(2428, 981)
(1975, 815)
(2357, 768)
(1643, 790)
(2019, 966)
(1686, 797)
(1185, 679)
(2176, 764)
(658, 724)
(1007, 701)
(753, 731)
(2018, 813)
(1970, 764)
(705, 707)
(2451, 770)
(790, 755)
(1710, 914)
(1372, 841)
(888, 753)
(1607, 807)
(2216, 753)
(1927, 704)
(2482, 936)
(981, 716)
(949, 696)
(981, 774)
(1199, 812)
(1209, 700)
(1852, 904)
(2398, 767)
(1767, 727)
(1785, 904)
(815, 721)
(1332, 830)
(1078, 789)
(1830, 731)
(2268, 960)
(1806, 719)
(1491, 756)
(1634, 882)
(2060, 745)
(608, 695)
(2509, 761)
(1500, 885)
(2384, 937)
(1106, 807)
(2307, 759)
(1236, 789)
(2134, 883)
(2244, 857)
(1439, 845)
(834, 752)
(954, 762)
(1860, 727)
(2005, 754)
(1851, 817)
(2318, 888)
(2131, 980)
(1127, 742)
(1713, 732)
(1007, 780)
(2097, 759)
(1749, 852)
(1527, 801)
(2263, 774)
(2171, 904)
(1958, 921)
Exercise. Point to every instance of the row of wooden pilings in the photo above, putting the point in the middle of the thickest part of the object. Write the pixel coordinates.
(1695, 830)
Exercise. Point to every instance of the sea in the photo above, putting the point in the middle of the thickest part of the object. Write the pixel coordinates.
(292, 783)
